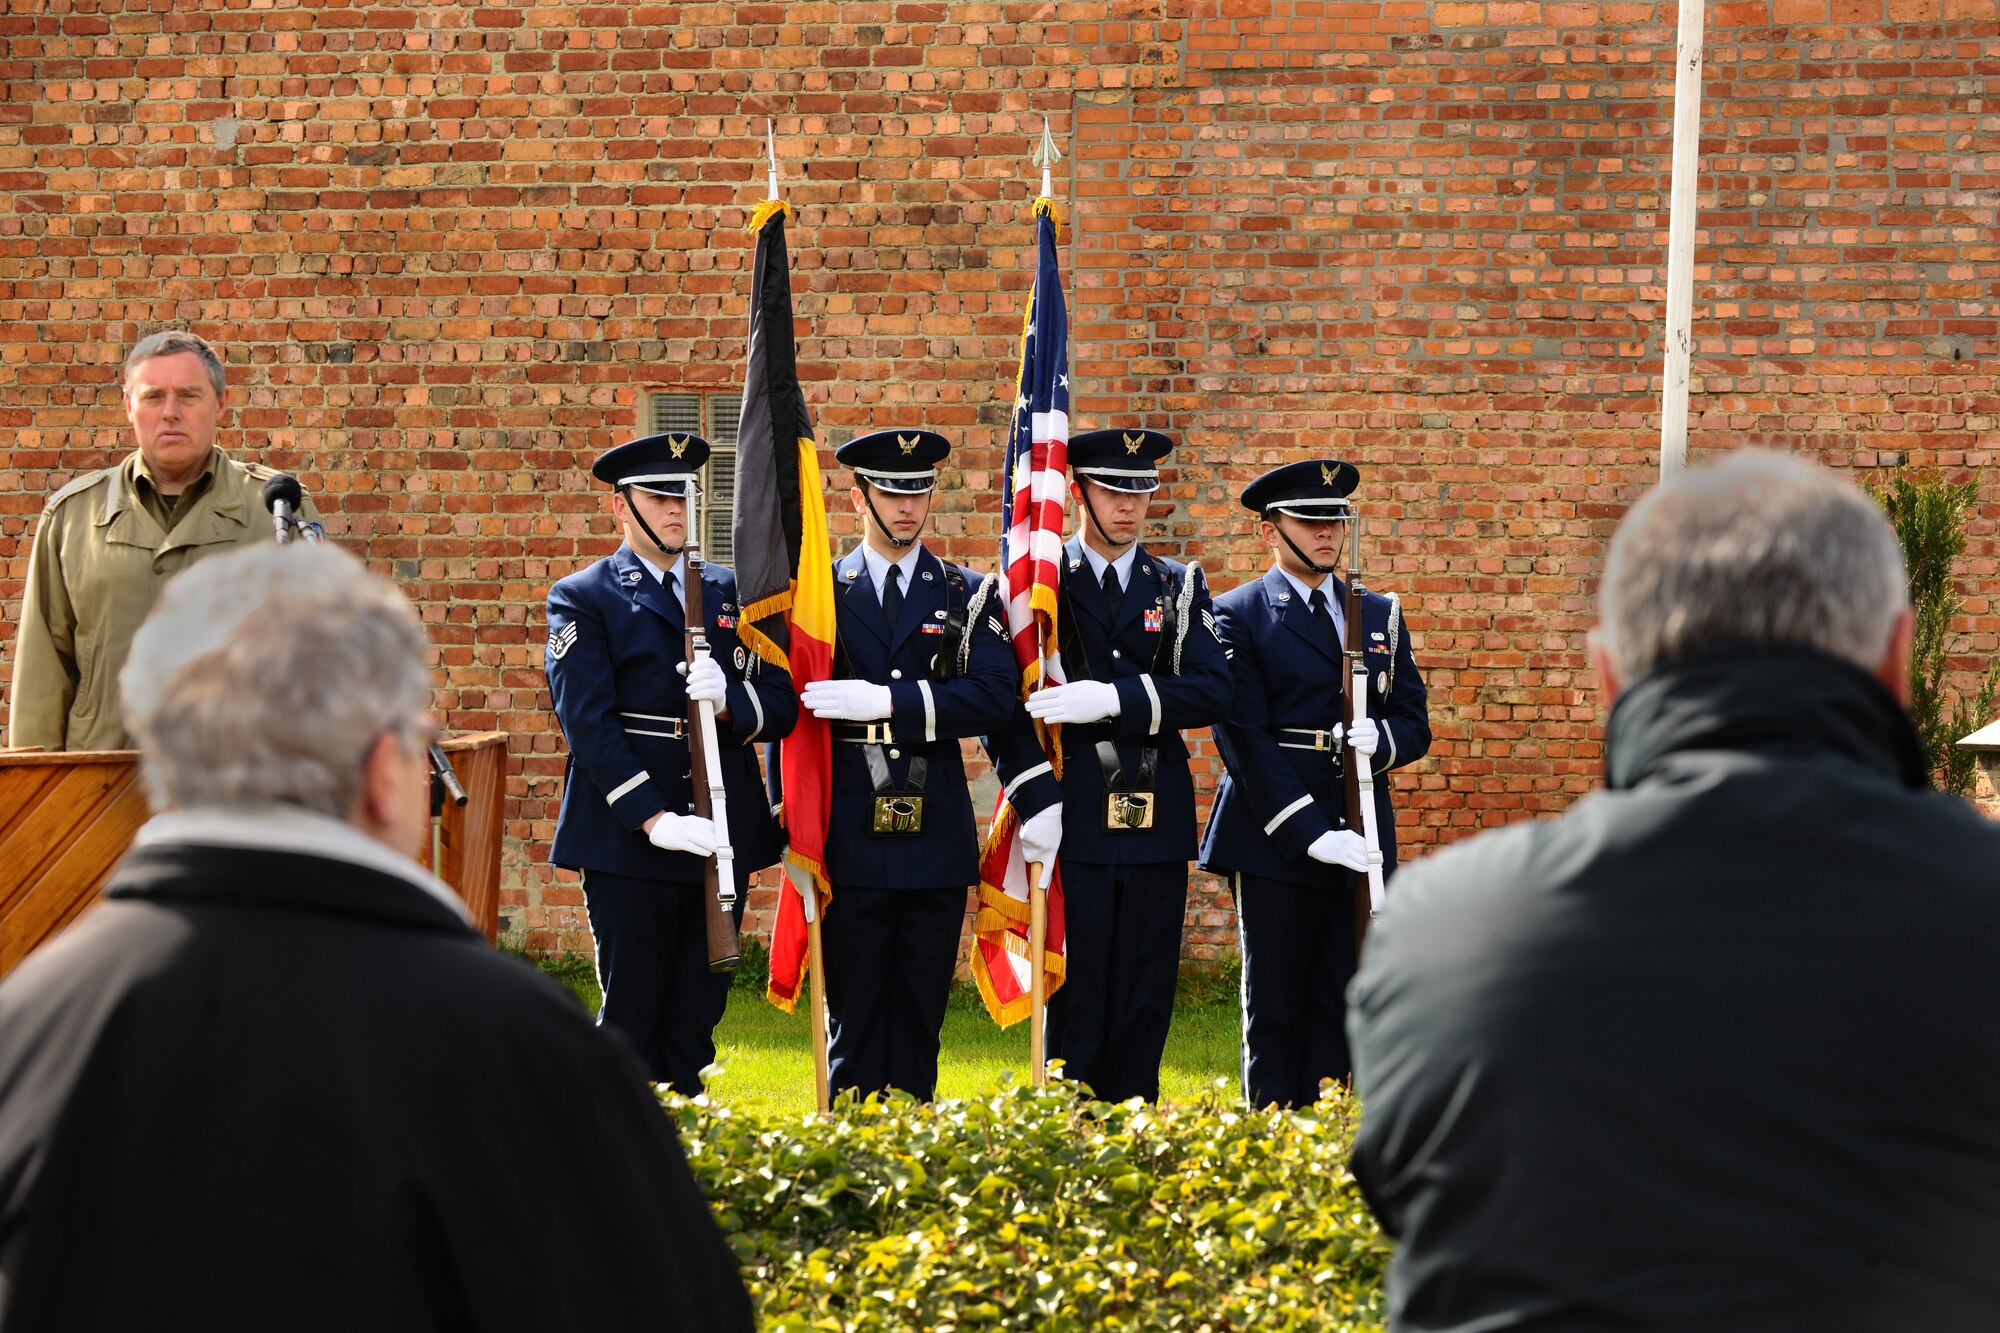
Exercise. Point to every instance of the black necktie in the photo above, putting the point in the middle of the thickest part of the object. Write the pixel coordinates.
(892, 596)
(1111, 590)
(672, 585)
(1324, 613)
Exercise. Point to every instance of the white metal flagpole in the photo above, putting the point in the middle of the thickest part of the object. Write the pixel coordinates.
(1680, 240)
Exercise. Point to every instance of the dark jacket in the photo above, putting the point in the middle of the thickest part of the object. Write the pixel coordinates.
(1273, 801)
(255, 1089)
(616, 637)
(1125, 646)
(929, 718)
(1717, 1049)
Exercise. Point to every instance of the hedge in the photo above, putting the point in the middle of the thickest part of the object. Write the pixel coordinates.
(1041, 1209)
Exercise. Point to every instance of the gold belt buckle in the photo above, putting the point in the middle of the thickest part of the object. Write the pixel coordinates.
(898, 816)
(1128, 811)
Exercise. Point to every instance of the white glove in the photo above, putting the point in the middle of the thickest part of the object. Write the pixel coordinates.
(1079, 701)
(1341, 847)
(847, 700)
(706, 681)
(1364, 736)
(1041, 836)
(684, 833)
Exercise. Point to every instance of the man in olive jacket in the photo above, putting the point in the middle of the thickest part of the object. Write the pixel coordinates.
(1719, 1048)
(110, 540)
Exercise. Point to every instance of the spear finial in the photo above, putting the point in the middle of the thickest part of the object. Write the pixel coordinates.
(1046, 156)
(771, 147)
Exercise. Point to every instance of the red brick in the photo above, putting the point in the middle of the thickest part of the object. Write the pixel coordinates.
(1425, 237)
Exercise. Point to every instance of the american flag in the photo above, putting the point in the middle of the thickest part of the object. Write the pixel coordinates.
(1037, 486)
(1031, 519)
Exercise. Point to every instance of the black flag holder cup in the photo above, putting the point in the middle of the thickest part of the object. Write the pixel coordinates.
(1360, 767)
(284, 498)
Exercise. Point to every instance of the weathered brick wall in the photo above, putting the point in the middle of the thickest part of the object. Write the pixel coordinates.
(449, 249)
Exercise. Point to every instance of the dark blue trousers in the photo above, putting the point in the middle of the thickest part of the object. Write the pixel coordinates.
(889, 959)
(1122, 950)
(1298, 956)
(652, 964)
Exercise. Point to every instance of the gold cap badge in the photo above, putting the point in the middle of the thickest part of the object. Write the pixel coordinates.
(1326, 474)
(1134, 443)
(908, 442)
(677, 445)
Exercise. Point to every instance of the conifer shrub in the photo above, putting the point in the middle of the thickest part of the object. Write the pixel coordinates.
(1042, 1209)
(1929, 515)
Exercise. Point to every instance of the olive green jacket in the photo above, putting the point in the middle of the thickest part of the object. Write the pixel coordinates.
(99, 562)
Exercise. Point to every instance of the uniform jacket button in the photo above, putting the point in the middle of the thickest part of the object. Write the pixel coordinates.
(896, 673)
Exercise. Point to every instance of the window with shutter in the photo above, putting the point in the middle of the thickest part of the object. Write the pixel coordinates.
(718, 480)
(712, 416)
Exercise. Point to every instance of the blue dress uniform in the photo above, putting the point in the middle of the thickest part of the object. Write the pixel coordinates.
(616, 646)
(1124, 874)
(899, 877)
(1283, 789)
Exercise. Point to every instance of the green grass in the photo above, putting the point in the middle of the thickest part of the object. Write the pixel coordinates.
(765, 1055)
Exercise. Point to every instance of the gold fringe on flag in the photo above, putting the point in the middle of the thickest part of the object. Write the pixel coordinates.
(769, 209)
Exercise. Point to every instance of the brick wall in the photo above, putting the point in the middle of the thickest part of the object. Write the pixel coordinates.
(450, 249)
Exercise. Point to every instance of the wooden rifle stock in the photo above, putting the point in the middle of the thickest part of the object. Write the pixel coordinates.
(711, 800)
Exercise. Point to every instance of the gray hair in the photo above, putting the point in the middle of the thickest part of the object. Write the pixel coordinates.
(1758, 548)
(267, 674)
(172, 342)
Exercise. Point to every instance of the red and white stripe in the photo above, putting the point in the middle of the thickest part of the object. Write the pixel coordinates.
(1034, 543)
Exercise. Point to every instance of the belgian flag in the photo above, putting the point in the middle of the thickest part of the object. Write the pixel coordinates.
(784, 576)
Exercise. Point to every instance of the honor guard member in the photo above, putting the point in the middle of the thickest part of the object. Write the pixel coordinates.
(1279, 828)
(921, 659)
(1143, 662)
(619, 677)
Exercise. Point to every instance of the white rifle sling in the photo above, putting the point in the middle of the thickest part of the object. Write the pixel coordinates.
(1364, 770)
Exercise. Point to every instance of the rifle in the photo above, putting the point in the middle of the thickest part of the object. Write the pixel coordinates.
(711, 800)
(1359, 772)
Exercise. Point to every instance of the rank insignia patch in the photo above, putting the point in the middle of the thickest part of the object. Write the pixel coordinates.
(561, 641)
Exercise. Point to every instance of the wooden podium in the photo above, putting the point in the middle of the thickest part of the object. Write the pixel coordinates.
(66, 819)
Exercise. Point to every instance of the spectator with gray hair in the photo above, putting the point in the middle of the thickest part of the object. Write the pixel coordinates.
(1715, 1049)
(110, 540)
(275, 1077)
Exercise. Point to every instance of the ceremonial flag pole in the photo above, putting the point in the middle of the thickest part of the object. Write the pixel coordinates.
(1680, 240)
(1018, 961)
(1038, 884)
(784, 584)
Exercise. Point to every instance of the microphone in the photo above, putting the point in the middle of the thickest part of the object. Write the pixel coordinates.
(445, 784)
(282, 497)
